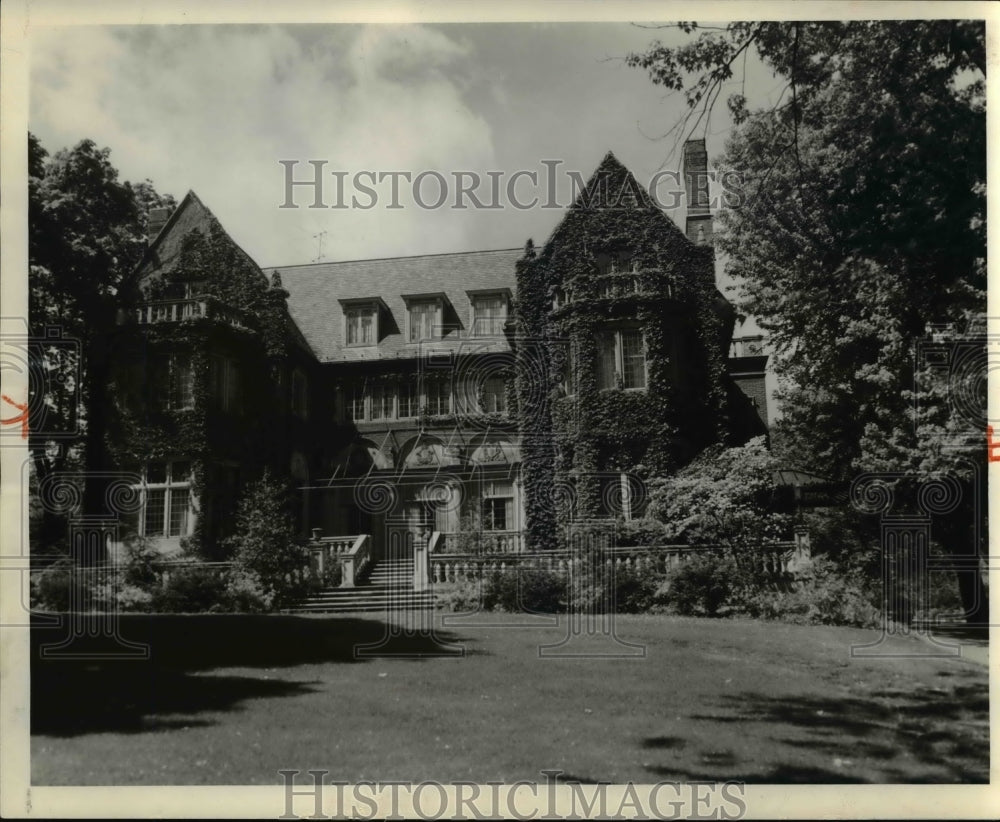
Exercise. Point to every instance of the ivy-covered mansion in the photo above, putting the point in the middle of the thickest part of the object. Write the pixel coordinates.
(494, 395)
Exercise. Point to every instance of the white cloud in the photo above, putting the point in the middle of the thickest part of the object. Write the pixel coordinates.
(214, 108)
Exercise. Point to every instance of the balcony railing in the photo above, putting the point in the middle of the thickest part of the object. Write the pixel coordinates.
(194, 308)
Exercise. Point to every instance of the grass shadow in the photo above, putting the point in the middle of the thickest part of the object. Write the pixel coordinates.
(94, 692)
(940, 735)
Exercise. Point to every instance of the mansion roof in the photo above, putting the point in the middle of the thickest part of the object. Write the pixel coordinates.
(318, 290)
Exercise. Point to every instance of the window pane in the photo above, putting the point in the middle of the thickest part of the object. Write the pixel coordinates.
(181, 382)
(493, 396)
(179, 503)
(180, 472)
(606, 362)
(407, 400)
(438, 397)
(633, 360)
(357, 404)
(490, 316)
(423, 317)
(155, 509)
(382, 396)
(156, 472)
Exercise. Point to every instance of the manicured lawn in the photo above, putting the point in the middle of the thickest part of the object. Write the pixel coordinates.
(233, 699)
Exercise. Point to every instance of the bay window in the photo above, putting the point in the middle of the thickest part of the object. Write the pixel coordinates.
(166, 505)
(621, 359)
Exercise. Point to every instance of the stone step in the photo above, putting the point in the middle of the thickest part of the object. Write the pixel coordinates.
(412, 601)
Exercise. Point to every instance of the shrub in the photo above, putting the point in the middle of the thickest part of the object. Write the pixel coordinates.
(264, 545)
(139, 566)
(822, 597)
(464, 597)
(133, 598)
(191, 590)
(526, 589)
(598, 589)
(50, 589)
(245, 593)
(701, 586)
(642, 532)
(722, 497)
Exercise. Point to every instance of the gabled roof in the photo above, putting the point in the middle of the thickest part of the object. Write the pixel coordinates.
(164, 252)
(316, 291)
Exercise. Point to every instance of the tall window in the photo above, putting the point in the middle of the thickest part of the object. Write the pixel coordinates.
(180, 382)
(621, 360)
(492, 396)
(633, 359)
(498, 506)
(437, 395)
(489, 315)
(408, 399)
(166, 509)
(356, 402)
(362, 324)
(300, 394)
(225, 383)
(383, 397)
(424, 320)
(568, 381)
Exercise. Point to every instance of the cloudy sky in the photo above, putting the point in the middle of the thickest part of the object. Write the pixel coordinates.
(214, 109)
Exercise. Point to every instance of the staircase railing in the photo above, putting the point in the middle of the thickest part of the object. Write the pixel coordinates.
(328, 550)
(356, 561)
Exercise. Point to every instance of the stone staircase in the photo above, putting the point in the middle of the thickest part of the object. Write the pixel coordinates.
(387, 587)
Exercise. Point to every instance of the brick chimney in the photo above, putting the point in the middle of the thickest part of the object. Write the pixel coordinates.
(157, 219)
(699, 216)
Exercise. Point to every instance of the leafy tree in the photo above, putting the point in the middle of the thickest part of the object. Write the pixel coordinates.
(863, 221)
(86, 236)
(263, 544)
(722, 497)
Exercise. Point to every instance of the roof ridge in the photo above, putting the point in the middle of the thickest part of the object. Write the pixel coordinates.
(386, 259)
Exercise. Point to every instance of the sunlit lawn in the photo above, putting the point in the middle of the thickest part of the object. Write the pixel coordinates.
(233, 699)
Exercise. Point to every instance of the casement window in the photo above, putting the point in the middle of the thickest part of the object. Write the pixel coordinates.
(489, 315)
(225, 376)
(166, 505)
(437, 397)
(621, 360)
(300, 394)
(568, 381)
(383, 401)
(409, 399)
(425, 320)
(617, 262)
(361, 323)
(180, 382)
(492, 398)
(356, 401)
(498, 506)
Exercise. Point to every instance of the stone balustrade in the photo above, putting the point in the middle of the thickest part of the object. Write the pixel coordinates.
(195, 308)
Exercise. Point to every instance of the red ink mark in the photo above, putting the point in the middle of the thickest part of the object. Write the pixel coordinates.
(20, 418)
(992, 446)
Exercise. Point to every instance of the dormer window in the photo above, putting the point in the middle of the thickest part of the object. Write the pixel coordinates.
(489, 312)
(430, 316)
(425, 320)
(361, 321)
(361, 325)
